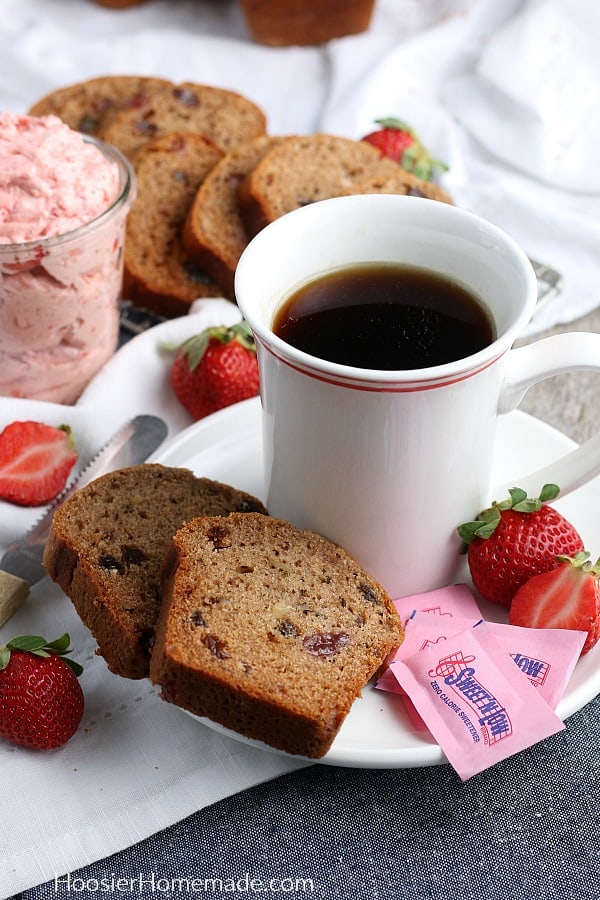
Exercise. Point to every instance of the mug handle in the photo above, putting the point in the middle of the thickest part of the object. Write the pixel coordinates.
(555, 355)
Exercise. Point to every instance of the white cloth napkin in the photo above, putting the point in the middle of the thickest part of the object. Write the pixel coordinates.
(136, 764)
(507, 93)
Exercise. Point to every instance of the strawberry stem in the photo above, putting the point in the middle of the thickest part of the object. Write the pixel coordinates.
(398, 124)
(416, 158)
(196, 346)
(39, 646)
(582, 561)
(486, 522)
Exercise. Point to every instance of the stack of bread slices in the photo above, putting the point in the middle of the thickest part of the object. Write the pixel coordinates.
(210, 176)
(267, 629)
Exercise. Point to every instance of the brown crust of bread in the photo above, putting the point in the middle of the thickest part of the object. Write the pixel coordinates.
(214, 234)
(225, 117)
(401, 182)
(119, 4)
(296, 22)
(89, 106)
(303, 169)
(158, 273)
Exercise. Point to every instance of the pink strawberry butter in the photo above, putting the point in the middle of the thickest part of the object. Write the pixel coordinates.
(63, 205)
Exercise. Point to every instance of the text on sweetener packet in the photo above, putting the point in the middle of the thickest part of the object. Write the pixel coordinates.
(453, 601)
(421, 630)
(446, 606)
(478, 706)
(546, 656)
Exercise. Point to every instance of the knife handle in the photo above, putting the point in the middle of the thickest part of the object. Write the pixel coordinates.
(13, 592)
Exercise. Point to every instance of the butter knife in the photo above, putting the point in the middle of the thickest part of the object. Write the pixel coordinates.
(21, 566)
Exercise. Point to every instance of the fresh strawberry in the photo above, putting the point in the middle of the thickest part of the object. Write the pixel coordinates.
(41, 701)
(400, 142)
(215, 369)
(515, 539)
(35, 462)
(566, 597)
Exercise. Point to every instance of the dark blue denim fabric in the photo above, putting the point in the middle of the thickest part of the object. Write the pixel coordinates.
(527, 828)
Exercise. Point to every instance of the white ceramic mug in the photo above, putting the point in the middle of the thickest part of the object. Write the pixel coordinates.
(388, 463)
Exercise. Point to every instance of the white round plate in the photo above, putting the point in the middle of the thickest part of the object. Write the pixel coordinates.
(377, 733)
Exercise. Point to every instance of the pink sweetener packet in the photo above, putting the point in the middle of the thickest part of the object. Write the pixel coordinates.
(444, 604)
(415, 719)
(388, 682)
(476, 703)
(546, 656)
(421, 630)
(455, 600)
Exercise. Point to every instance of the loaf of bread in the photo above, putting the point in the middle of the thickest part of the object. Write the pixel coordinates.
(287, 22)
(107, 544)
(119, 4)
(89, 106)
(214, 234)
(268, 630)
(302, 169)
(225, 117)
(158, 273)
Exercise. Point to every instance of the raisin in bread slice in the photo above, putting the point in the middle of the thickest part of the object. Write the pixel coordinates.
(302, 169)
(106, 547)
(158, 273)
(268, 630)
(214, 234)
(400, 182)
(89, 106)
(226, 117)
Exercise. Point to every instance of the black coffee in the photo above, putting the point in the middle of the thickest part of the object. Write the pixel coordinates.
(376, 316)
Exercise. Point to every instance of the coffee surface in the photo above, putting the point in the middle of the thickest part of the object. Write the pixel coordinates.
(384, 317)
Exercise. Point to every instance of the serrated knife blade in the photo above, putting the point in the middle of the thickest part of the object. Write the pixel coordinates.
(21, 566)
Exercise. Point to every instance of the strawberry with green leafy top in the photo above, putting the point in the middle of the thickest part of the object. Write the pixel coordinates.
(41, 700)
(514, 539)
(216, 368)
(35, 462)
(401, 143)
(565, 597)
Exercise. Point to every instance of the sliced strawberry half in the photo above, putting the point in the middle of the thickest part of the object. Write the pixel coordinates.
(565, 597)
(35, 462)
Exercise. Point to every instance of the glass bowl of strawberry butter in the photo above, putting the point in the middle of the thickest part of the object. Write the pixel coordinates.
(64, 199)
